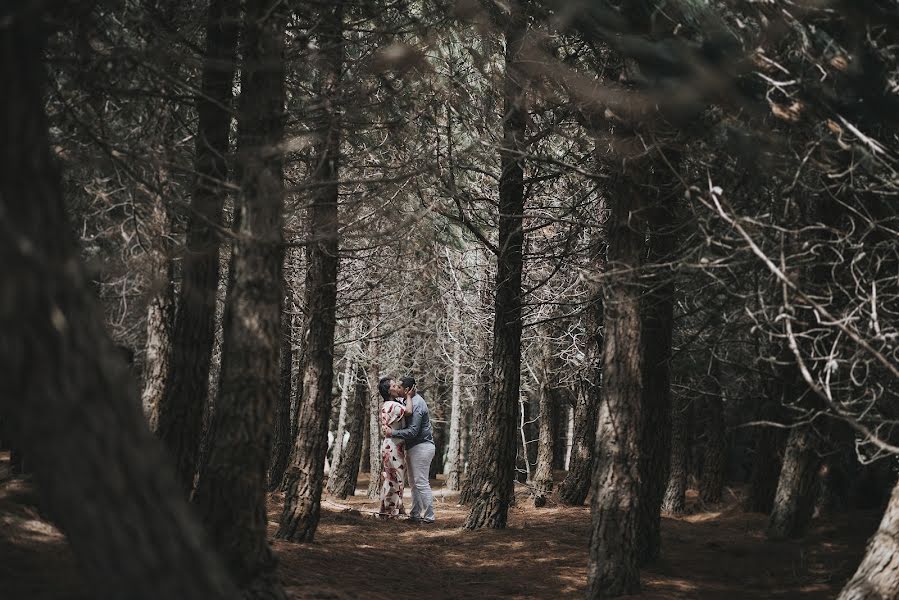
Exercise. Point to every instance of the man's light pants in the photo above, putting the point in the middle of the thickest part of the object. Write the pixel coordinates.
(418, 465)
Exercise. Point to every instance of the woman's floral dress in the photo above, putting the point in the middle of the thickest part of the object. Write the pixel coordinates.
(393, 460)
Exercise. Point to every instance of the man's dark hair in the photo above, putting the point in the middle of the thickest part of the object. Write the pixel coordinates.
(407, 382)
(384, 387)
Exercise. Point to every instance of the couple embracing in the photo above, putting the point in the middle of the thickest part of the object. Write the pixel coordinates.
(407, 450)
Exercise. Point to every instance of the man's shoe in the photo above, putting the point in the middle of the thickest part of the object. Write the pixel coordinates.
(426, 521)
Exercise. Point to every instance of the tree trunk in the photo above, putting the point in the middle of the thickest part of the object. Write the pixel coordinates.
(305, 477)
(837, 471)
(374, 410)
(348, 388)
(453, 468)
(438, 416)
(493, 482)
(193, 336)
(658, 321)
(471, 483)
(767, 461)
(576, 485)
(794, 502)
(231, 490)
(342, 482)
(543, 471)
(675, 500)
(612, 567)
(160, 311)
(68, 392)
(714, 463)
(283, 441)
(877, 577)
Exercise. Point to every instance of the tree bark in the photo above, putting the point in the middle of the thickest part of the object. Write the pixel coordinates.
(794, 502)
(342, 481)
(67, 390)
(305, 477)
(493, 482)
(193, 336)
(675, 500)
(612, 567)
(231, 489)
(658, 324)
(877, 577)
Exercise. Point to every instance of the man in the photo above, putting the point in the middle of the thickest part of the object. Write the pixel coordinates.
(419, 437)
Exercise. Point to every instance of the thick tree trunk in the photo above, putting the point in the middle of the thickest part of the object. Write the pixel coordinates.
(794, 502)
(612, 567)
(342, 481)
(658, 322)
(67, 390)
(231, 489)
(305, 477)
(193, 336)
(714, 463)
(675, 500)
(576, 485)
(453, 468)
(497, 463)
(877, 577)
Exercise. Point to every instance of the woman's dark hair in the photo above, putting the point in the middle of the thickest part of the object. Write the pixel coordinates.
(384, 387)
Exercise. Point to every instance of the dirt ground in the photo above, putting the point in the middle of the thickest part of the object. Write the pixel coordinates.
(720, 553)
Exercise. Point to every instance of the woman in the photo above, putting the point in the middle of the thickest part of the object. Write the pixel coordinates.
(393, 451)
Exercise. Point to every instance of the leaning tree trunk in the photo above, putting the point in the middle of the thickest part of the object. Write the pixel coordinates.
(658, 320)
(612, 567)
(675, 500)
(453, 467)
(193, 336)
(305, 477)
(342, 482)
(714, 463)
(877, 577)
(66, 388)
(493, 482)
(543, 472)
(231, 490)
(794, 502)
(576, 485)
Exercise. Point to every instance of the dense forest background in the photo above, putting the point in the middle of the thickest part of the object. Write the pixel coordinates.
(639, 255)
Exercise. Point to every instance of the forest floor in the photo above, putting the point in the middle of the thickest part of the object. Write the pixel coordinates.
(709, 554)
